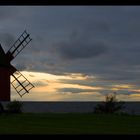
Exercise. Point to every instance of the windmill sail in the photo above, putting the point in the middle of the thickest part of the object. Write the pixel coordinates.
(19, 45)
(21, 84)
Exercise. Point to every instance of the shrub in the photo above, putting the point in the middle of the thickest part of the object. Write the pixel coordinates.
(14, 107)
(1, 108)
(111, 105)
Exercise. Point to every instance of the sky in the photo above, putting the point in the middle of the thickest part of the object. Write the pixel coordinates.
(78, 53)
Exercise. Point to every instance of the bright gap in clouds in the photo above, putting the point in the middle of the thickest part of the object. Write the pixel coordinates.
(49, 87)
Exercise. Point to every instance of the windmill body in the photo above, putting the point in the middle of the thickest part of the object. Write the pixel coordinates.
(20, 83)
(4, 77)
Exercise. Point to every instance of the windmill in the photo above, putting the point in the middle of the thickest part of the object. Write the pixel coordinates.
(19, 82)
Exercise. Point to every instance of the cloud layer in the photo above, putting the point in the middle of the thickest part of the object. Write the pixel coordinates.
(99, 41)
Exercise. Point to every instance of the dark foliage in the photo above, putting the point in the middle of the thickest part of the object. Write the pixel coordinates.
(110, 105)
(1, 108)
(14, 107)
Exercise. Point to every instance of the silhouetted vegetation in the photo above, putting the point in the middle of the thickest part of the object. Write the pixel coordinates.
(1, 108)
(14, 107)
(110, 105)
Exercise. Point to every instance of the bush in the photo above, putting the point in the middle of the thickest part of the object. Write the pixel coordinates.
(111, 105)
(1, 108)
(14, 107)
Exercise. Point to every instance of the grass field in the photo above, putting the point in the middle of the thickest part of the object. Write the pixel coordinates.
(68, 124)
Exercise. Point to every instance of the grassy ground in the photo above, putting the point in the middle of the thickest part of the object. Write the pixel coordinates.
(68, 124)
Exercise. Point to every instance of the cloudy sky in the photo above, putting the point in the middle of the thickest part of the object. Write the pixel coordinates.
(78, 53)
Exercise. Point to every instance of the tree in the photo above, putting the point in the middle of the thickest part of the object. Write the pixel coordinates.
(110, 105)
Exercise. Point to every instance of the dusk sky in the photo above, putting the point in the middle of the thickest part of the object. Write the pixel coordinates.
(78, 53)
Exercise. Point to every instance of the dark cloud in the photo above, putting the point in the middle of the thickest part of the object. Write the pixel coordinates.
(7, 40)
(80, 49)
(118, 92)
(23, 64)
(86, 82)
(20, 67)
(74, 90)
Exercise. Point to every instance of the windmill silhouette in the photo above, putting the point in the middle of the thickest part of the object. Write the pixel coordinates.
(19, 82)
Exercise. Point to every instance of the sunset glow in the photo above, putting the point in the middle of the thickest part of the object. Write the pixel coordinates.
(49, 87)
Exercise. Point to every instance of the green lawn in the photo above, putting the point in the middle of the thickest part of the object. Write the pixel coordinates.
(69, 124)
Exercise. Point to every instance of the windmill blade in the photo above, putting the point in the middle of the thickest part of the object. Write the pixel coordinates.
(21, 84)
(19, 45)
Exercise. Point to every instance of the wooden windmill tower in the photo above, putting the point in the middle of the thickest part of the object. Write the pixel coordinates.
(19, 82)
